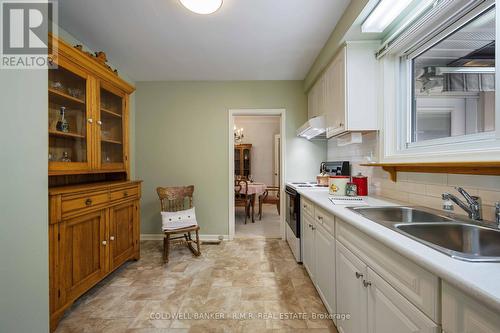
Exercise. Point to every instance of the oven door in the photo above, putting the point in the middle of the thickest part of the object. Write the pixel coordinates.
(293, 210)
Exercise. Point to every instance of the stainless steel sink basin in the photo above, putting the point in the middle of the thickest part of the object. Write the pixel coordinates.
(399, 214)
(459, 240)
(456, 236)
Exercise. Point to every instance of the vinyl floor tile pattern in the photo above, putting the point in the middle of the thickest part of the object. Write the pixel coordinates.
(240, 286)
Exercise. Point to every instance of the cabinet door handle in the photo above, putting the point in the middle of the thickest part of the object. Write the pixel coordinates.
(366, 284)
(99, 122)
(358, 275)
(313, 228)
(88, 202)
(310, 225)
(112, 238)
(90, 120)
(320, 218)
(104, 243)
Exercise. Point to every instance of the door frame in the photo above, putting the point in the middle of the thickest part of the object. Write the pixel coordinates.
(255, 112)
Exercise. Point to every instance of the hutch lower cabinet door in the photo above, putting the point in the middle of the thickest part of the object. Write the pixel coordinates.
(122, 219)
(83, 252)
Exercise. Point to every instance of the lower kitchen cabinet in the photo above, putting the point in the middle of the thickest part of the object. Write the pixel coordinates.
(319, 259)
(351, 295)
(325, 267)
(462, 314)
(373, 305)
(389, 311)
(308, 245)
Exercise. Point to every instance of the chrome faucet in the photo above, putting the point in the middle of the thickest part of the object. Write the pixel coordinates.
(472, 207)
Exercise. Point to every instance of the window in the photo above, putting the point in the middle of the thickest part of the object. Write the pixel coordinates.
(453, 84)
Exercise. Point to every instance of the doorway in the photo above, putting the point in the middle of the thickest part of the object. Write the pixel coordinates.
(256, 173)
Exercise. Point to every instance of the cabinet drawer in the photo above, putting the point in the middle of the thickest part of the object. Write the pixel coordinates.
(72, 203)
(307, 207)
(462, 314)
(326, 220)
(124, 193)
(418, 285)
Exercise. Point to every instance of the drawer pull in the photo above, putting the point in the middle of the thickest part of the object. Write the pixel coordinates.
(310, 225)
(320, 217)
(125, 194)
(358, 275)
(88, 202)
(366, 284)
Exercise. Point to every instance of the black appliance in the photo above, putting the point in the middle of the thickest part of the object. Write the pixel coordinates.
(337, 168)
(292, 216)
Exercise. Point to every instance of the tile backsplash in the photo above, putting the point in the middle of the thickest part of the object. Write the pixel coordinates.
(422, 189)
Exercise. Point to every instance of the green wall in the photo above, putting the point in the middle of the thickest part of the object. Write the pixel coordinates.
(24, 277)
(181, 139)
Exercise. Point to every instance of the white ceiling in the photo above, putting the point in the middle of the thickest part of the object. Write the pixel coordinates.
(244, 40)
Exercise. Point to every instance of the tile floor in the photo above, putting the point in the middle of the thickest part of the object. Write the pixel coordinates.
(237, 278)
(268, 227)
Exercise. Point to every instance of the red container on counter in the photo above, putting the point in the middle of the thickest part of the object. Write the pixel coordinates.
(362, 184)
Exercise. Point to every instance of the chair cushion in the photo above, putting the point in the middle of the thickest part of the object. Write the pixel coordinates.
(178, 220)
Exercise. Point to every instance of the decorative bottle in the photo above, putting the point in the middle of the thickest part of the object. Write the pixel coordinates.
(62, 124)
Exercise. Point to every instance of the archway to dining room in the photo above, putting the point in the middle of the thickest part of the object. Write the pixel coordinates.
(256, 173)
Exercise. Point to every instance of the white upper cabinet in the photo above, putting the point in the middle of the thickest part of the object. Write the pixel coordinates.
(350, 90)
(316, 99)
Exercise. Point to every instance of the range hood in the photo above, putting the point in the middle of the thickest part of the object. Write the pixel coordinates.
(314, 128)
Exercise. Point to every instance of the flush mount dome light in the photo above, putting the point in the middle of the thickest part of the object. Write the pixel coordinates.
(202, 6)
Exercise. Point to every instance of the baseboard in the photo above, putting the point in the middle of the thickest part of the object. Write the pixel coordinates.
(202, 237)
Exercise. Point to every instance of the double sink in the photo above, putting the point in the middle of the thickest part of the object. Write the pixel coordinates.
(457, 237)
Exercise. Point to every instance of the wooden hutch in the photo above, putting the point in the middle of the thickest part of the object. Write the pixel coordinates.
(242, 160)
(94, 217)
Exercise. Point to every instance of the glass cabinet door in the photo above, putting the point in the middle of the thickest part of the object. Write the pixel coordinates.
(111, 124)
(68, 125)
(246, 162)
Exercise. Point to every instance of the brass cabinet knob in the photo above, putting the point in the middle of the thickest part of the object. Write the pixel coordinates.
(99, 122)
(112, 238)
(104, 243)
(88, 202)
(90, 120)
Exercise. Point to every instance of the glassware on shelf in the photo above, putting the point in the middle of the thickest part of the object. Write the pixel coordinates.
(75, 92)
(65, 157)
(62, 124)
(56, 85)
(51, 158)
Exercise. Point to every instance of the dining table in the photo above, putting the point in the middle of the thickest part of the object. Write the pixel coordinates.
(254, 189)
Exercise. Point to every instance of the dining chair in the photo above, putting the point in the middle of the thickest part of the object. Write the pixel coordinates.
(265, 198)
(241, 197)
(177, 199)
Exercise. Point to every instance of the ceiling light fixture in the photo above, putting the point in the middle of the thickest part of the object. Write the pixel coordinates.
(384, 14)
(203, 7)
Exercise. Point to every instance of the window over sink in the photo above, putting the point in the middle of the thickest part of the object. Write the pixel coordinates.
(439, 95)
(453, 83)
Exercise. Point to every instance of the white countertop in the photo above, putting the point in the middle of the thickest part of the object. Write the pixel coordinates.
(479, 280)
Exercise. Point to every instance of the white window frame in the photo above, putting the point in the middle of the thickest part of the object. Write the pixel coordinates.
(396, 104)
